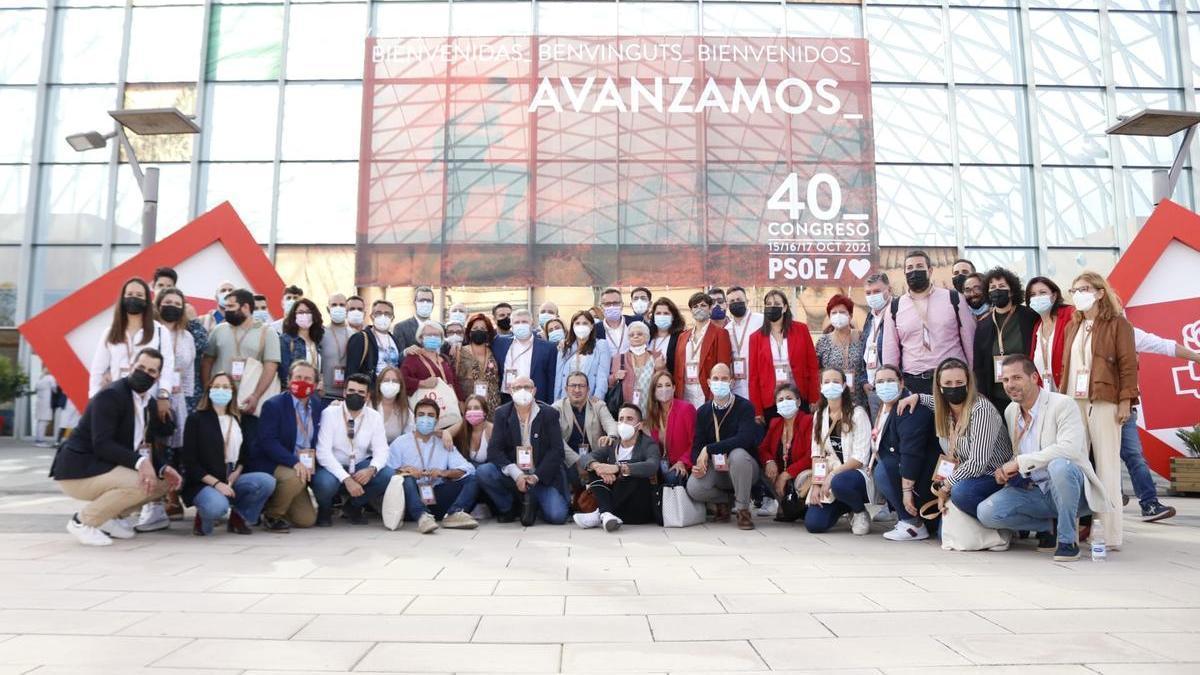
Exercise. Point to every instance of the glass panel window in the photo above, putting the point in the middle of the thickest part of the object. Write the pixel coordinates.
(10, 265)
(1194, 46)
(996, 206)
(318, 203)
(1139, 195)
(325, 42)
(88, 48)
(22, 34)
(1145, 52)
(245, 43)
(911, 124)
(916, 205)
(247, 187)
(906, 44)
(986, 46)
(1066, 264)
(657, 18)
(492, 18)
(321, 121)
(1148, 150)
(1065, 4)
(992, 126)
(762, 20)
(577, 18)
(1022, 262)
(241, 118)
(1071, 126)
(824, 20)
(59, 271)
(164, 44)
(20, 106)
(72, 110)
(1152, 5)
(415, 19)
(73, 205)
(1066, 47)
(1079, 208)
(14, 195)
(174, 190)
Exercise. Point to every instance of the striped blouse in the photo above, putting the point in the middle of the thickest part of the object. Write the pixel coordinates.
(984, 447)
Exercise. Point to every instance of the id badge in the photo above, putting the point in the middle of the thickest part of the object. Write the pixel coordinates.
(945, 468)
(308, 458)
(849, 380)
(339, 377)
(637, 397)
(481, 389)
(872, 360)
(693, 373)
(236, 368)
(997, 366)
(1082, 384)
(525, 458)
(820, 470)
(925, 338)
(739, 368)
(720, 463)
(782, 374)
(427, 494)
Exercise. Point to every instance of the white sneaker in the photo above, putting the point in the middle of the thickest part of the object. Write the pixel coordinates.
(1006, 535)
(768, 508)
(427, 523)
(860, 523)
(884, 515)
(118, 528)
(588, 520)
(86, 534)
(153, 518)
(459, 520)
(481, 512)
(611, 523)
(906, 532)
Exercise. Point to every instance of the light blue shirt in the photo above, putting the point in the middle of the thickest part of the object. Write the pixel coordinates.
(595, 365)
(431, 454)
(1030, 442)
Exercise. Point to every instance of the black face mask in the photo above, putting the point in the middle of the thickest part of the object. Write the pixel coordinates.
(1000, 297)
(140, 381)
(918, 280)
(171, 313)
(355, 402)
(772, 314)
(959, 281)
(235, 318)
(504, 324)
(478, 337)
(737, 308)
(133, 305)
(955, 395)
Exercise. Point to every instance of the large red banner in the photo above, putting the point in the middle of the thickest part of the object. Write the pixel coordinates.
(586, 161)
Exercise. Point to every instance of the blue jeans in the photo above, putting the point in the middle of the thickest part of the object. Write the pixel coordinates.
(252, 489)
(503, 492)
(849, 496)
(325, 485)
(451, 496)
(887, 480)
(1017, 508)
(1135, 461)
(968, 493)
(669, 477)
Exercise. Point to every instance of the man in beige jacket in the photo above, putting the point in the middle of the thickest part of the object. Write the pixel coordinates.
(586, 425)
(1049, 477)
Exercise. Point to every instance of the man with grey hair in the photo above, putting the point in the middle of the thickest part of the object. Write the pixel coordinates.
(407, 330)
(879, 293)
(524, 354)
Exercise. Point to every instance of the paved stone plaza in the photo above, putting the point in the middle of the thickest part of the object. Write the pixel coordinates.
(549, 599)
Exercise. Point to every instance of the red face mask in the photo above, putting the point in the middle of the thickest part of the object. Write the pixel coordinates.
(300, 389)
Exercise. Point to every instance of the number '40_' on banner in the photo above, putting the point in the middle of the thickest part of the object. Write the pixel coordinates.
(585, 161)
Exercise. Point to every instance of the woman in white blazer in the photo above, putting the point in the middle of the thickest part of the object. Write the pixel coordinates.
(841, 452)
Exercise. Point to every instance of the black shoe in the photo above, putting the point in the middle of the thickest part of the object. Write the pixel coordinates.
(1066, 553)
(1156, 511)
(324, 517)
(1046, 542)
(273, 524)
(355, 514)
(506, 517)
(528, 510)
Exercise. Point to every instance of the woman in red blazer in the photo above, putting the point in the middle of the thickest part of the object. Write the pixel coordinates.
(671, 422)
(783, 463)
(767, 351)
(698, 350)
(1046, 349)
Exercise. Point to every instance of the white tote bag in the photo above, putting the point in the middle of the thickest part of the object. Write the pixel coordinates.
(393, 503)
(961, 532)
(252, 372)
(442, 394)
(679, 510)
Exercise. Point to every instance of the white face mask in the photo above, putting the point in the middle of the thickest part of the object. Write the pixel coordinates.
(389, 389)
(839, 320)
(454, 339)
(522, 397)
(876, 301)
(424, 309)
(582, 331)
(626, 430)
(640, 306)
(458, 317)
(355, 317)
(287, 306)
(1085, 301)
(638, 350)
(382, 323)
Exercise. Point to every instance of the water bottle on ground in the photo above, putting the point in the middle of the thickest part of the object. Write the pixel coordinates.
(1099, 549)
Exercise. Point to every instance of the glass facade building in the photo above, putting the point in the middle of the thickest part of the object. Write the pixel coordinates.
(989, 119)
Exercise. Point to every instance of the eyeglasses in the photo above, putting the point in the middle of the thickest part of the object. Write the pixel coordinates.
(576, 385)
(1082, 289)
(617, 304)
(378, 314)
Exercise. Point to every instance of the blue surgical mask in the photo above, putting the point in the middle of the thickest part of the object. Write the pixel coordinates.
(432, 342)
(521, 331)
(425, 425)
(719, 389)
(787, 408)
(887, 391)
(220, 396)
(556, 336)
(262, 316)
(544, 318)
(982, 309)
(876, 301)
(1041, 303)
(663, 321)
(337, 314)
(832, 389)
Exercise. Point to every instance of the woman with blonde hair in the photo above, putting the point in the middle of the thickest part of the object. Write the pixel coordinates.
(1100, 372)
(391, 400)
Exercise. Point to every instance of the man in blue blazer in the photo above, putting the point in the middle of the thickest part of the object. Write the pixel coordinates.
(525, 355)
(907, 455)
(287, 434)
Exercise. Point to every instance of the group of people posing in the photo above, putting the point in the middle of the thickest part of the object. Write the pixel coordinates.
(1017, 416)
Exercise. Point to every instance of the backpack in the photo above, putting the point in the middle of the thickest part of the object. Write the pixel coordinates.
(895, 304)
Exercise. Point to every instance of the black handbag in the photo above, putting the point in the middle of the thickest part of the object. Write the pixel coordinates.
(614, 398)
(791, 505)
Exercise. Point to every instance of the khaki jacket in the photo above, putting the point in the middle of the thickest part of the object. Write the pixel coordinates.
(1114, 360)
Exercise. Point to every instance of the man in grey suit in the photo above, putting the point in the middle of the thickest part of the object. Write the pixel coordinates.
(620, 476)
(407, 330)
(1049, 476)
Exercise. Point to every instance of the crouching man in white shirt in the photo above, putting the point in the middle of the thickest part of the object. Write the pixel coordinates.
(438, 480)
(352, 450)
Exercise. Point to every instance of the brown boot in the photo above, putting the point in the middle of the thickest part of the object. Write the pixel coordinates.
(744, 521)
(722, 514)
(237, 524)
(196, 529)
(174, 507)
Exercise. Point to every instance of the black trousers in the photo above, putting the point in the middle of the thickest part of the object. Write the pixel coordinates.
(629, 498)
